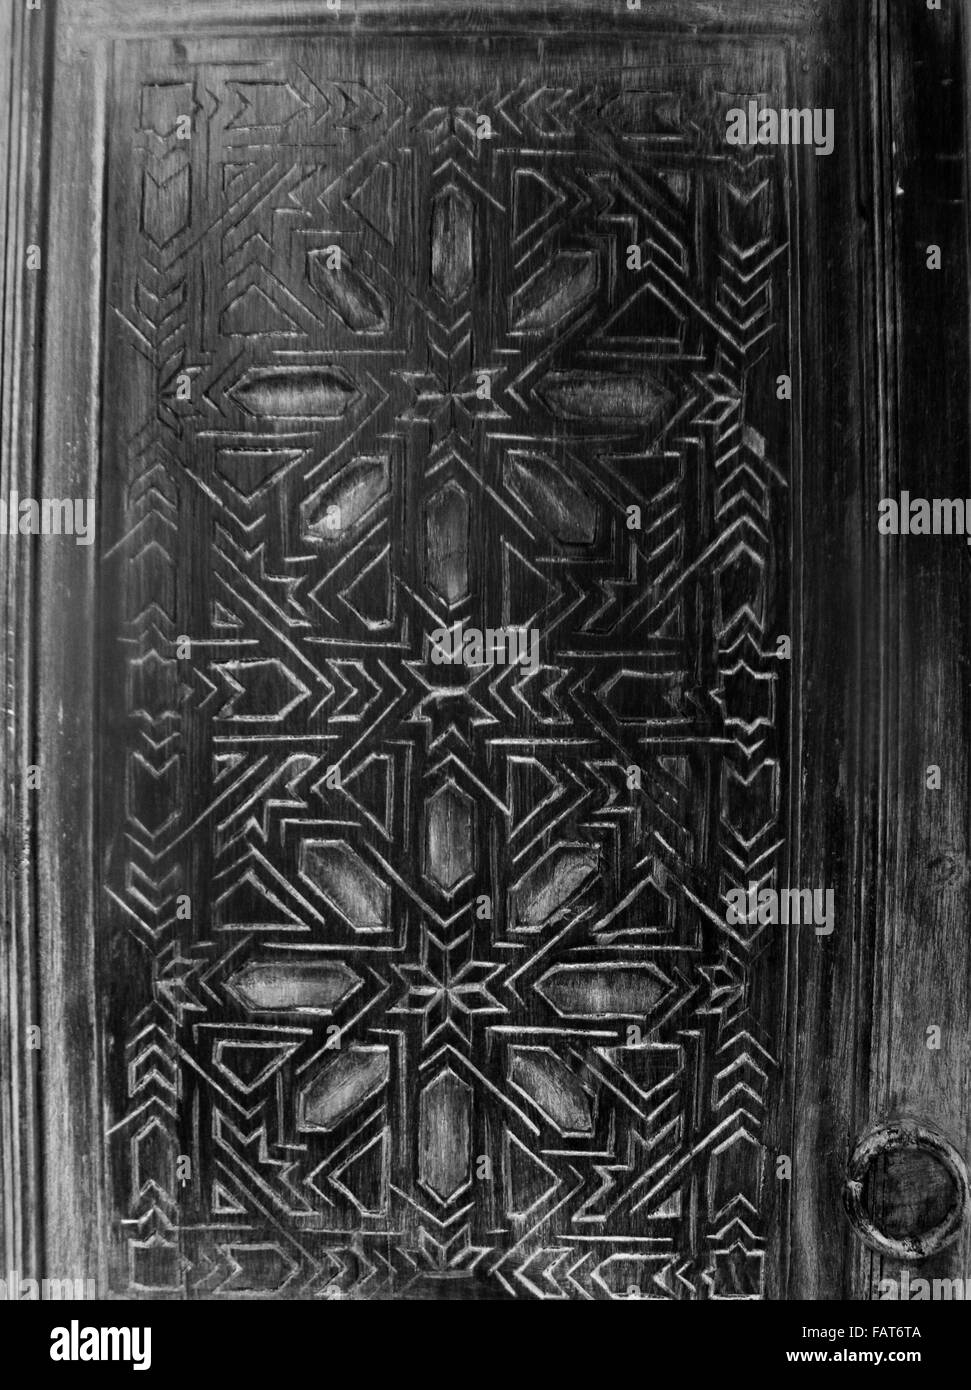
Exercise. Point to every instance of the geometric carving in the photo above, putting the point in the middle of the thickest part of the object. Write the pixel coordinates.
(165, 205)
(602, 991)
(444, 1135)
(338, 507)
(535, 200)
(550, 884)
(374, 200)
(551, 494)
(162, 103)
(602, 396)
(446, 872)
(342, 1087)
(306, 393)
(271, 691)
(529, 1181)
(364, 1176)
(452, 235)
(351, 888)
(750, 804)
(352, 296)
(448, 837)
(747, 696)
(249, 471)
(249, 1064)
(307, 987)
(264, 104)
(447, 543)
(254, 313)
(555, 292)
(557, 1094)
(153, 793)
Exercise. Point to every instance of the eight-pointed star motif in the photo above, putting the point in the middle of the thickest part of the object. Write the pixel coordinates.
(445, 990)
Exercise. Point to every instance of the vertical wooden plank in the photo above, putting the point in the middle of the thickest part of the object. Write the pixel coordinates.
(25, 39)
(887, 678)
(65, 625)
(839, 221)
(922, 965)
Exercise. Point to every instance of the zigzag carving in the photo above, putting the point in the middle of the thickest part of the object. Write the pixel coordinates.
(431, 974)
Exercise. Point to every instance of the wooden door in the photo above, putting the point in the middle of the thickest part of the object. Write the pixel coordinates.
(360, 974)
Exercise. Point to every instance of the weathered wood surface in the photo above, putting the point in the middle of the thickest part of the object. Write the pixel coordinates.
(419, 1033)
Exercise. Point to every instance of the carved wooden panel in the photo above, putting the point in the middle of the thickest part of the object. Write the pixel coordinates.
(450, 992)
(371, 974)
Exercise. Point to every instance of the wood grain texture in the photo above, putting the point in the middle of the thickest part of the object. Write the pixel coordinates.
(331, 487)
(23, 87)
(922, 953)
